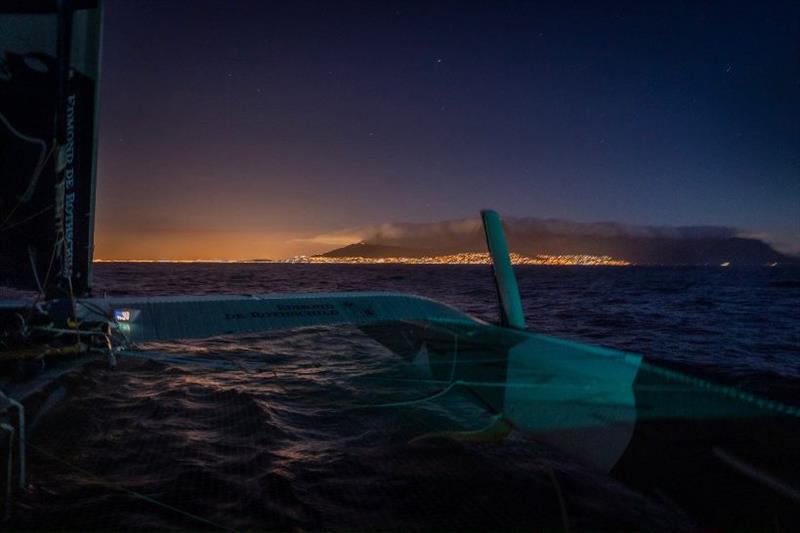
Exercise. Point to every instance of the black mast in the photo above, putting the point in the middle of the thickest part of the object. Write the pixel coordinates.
(49, 69)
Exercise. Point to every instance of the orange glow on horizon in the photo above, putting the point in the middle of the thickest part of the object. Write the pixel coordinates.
(199, 246)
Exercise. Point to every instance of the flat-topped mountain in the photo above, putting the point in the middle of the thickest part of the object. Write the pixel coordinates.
(364, 249)
(644, 245)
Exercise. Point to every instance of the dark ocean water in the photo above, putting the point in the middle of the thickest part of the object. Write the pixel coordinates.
(255, 432)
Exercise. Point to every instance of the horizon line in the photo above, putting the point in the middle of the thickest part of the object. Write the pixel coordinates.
(185, 260)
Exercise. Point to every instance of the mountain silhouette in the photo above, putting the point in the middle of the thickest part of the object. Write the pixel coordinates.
(644, 245)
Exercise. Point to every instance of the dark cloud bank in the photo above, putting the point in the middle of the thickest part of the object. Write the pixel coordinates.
(651, 245)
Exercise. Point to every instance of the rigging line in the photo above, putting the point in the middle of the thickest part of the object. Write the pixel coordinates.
(37, 173)
(26, 219)
(44, 156)
(757, 474)
(451, 383)
(561, 503)
(46, 279)
(75, 324)
(21, 135)
(131, 492)
(433, 396)
(33, 268)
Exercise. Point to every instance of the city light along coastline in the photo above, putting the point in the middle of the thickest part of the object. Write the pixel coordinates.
(468, 258)
(464, 258)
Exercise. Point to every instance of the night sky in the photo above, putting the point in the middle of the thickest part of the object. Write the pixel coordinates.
(237, 129)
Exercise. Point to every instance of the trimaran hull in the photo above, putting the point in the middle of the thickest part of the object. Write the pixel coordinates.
(611, 410)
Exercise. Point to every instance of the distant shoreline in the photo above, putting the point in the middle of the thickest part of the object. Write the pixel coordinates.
(398, 263)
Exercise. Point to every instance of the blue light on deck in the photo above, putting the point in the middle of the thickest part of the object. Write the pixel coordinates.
(122, 315)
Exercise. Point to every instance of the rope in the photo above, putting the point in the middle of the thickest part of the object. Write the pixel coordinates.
(451, 384)
(757, 474)
(33, 268)
(26, 219)
(44, 156)
(41, 294)
(130, 492)
(561, 503)
(433, 396)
